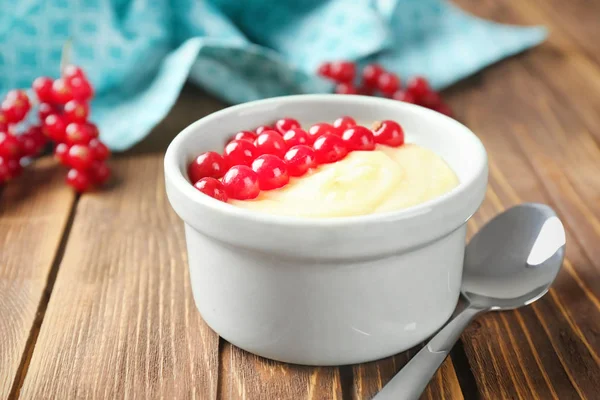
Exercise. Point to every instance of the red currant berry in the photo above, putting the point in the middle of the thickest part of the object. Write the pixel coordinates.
(444, 109)
(42, 87)
(388, 83)
(213, 188)
(76, 111)
(80, 157)
(14, 168)
(359, 138)
(77, 133)
(270, 142)
(15, 106)
(345, 88)
(430, 100)
(329, 149)
(370, 75)
(28, 144)
(285, 124)
(61, 152)
(322, 128)
(342, 71)
(54, 127)
(3, 122)
(272, 172)
(263, 128)
(36, 133)
(93, 129)
(239, 152)
(99, 172)
(101, 153)
(418, 87)
(79, 88)
(366, 91)
(241, 183)
(79, 180)
(300, 159)
(324, 70)
(343, 123)
(245, 135)
(209, 164)
(296, 136)
(46, 109)
(389, 133)
(61, 92)
(405, 96)
(10, 147)
(71, 71)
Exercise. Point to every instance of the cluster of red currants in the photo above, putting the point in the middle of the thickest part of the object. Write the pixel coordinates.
(63, 112)
(266, 158)
(375, 79)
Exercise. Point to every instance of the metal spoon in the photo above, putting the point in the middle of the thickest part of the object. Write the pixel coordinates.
(511, 262)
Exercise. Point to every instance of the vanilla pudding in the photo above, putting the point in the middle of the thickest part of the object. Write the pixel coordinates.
(364, 182)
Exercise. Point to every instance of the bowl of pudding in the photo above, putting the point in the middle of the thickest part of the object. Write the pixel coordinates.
(355, 253)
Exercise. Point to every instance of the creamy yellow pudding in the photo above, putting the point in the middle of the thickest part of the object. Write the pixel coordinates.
(364, 182)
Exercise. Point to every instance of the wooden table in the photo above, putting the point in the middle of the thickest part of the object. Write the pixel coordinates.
(95, 299)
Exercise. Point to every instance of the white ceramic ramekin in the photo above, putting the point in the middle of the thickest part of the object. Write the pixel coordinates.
(327, 291)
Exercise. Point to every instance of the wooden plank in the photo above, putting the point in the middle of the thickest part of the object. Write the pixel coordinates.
(121, 321)
(371, 377)
(34, 210)
(246, 376)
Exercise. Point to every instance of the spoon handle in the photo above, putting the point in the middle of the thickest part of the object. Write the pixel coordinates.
(411, 381)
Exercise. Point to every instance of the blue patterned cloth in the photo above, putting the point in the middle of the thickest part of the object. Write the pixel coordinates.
(139, 53)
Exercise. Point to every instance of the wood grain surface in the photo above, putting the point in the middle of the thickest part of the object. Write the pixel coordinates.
(33, 217)
(113, 317)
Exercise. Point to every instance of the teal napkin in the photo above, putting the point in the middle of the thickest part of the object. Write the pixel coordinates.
(139, 53)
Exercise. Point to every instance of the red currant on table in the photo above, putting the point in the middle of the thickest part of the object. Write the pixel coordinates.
(240, 152)
(270, 142)
(79, 180)
(343, 123)
(329, 148)
(61, 152)
(76, 111)
(324, 69)
(322, 128)
(345, 88)
(296, 136)
(300, 159)
(342, 71)
(263, 128)
(370, 75)
(272, 172)
(285, 124)
(42, 87)
(14, 167)
(54, 127)
(444, 109)
(241, 183)
(430, 100)
(15, 106)
(77, 133)
(78, 84)
(213, 188)
(28, 144)
(418, 86)
(9, 146)
(99, 172)
(101, 152)
(209, 164)
(4, 170)
(92, 128)
(61, 92)
(46, 109)
(3, 123)
(359, 138)
(79, 157)
(388, 83)
(389, 133)
(405, 96)
(245, 135)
